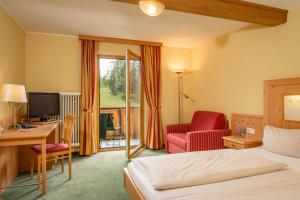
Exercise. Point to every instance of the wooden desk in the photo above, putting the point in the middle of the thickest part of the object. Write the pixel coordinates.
(25, 151)
(29, 137)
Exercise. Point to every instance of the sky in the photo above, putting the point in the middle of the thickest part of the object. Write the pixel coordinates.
(105, 65)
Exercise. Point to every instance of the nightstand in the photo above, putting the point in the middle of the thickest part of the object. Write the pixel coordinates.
(241, 143)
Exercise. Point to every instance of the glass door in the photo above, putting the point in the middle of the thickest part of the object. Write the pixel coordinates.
(134, 105)
(112, 84)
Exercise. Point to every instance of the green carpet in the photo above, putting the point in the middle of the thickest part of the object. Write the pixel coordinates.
(98, 177)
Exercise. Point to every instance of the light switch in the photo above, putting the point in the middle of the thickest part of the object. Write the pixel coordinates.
(251, 131)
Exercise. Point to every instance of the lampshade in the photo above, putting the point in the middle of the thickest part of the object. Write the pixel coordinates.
(178, 70)
(151, 7)
(13, 93)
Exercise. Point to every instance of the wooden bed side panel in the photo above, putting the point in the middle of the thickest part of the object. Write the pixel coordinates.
(274, 92)
(133, 192)
(248, 121)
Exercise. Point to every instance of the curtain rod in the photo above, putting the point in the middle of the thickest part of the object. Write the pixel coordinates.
(119, 40)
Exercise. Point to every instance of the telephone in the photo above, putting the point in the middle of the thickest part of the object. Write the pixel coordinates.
(24, 125)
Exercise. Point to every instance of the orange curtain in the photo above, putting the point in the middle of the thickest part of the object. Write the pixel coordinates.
(151, 63)
(89, 120)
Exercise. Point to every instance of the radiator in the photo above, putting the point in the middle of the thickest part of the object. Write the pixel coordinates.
(70, 105)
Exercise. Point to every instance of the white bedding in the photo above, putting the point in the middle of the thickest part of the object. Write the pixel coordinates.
(273, 186)
(199, 168)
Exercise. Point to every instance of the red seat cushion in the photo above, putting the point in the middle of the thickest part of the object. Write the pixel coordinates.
(205, 120)
(178, 139)
(51, 148)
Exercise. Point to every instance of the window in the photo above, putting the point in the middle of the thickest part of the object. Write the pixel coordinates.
(112, 82)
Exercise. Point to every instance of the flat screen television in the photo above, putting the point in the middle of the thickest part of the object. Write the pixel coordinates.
(43, 105)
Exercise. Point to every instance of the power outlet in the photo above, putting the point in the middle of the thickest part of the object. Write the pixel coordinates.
(251, 131)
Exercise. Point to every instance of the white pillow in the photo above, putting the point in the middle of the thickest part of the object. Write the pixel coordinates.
(282, 141)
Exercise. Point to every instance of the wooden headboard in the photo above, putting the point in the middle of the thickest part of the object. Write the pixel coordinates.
(247, 121)
(274, 92)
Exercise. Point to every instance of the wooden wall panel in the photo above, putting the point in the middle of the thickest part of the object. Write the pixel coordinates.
(248, 121)
(274, 92)
(290, 124)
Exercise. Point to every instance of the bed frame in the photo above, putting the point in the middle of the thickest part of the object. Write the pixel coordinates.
(274, 91)
(133, 192)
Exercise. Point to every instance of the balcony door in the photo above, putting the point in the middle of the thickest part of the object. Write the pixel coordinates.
(134, 105)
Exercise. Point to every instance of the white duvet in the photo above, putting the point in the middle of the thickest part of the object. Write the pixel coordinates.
(189, 169)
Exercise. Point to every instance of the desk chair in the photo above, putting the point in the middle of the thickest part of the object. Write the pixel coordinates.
(56, 151)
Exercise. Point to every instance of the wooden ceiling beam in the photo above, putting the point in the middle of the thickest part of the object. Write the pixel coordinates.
(227, 9)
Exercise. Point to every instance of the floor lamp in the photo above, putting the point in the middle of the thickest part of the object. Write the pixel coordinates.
(179, 73)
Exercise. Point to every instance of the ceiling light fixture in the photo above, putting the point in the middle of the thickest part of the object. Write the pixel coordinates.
(151, 7)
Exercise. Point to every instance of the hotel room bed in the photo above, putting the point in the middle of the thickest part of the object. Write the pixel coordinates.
(284, 184)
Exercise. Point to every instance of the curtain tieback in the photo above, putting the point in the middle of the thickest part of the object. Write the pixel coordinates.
(155, 107)
(87, 110)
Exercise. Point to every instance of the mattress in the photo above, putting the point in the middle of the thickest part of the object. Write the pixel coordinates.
(272, 186)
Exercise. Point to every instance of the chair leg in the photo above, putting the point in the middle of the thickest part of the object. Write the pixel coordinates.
(119, 137)
(62, 165)
(70, 165)
(39, 162)
(32, 166)
(114, 141)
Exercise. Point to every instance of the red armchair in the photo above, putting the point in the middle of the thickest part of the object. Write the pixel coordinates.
(205, 132)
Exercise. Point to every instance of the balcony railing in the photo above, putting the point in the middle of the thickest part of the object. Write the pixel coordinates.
(119, 118)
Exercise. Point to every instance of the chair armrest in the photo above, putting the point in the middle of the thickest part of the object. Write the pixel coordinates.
(206, 140)
(178, 128)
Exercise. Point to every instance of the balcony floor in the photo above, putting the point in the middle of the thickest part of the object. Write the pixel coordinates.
(104, 144)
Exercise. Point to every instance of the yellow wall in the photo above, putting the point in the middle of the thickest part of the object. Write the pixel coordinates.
(225, 74)
(52, 63)
(12, 56)
(172, 58)
(12, 70)
(228, 72)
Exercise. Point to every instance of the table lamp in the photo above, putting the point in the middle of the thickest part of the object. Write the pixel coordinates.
(14, 95)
